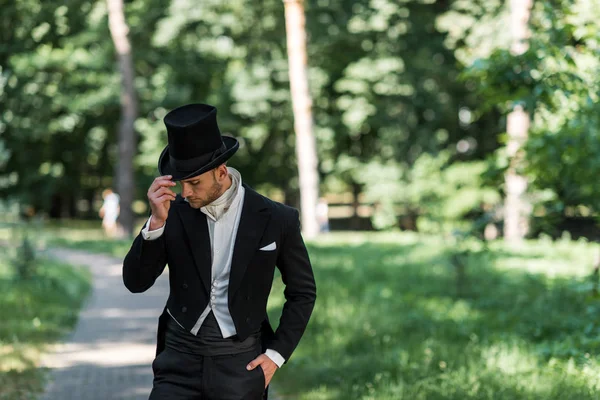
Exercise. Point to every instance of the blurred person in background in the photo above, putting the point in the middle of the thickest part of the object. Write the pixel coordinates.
(222, 242)
(323, 215)
(109, 212)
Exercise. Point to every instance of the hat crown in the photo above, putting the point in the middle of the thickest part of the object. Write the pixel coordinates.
(192, 131)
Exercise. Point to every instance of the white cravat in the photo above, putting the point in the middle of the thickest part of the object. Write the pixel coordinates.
(220, 206)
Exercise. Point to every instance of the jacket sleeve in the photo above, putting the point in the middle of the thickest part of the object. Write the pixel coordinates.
(144, 262)
(300, 289)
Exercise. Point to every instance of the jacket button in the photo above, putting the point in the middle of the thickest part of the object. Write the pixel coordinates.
(183, 309)
(185, 286)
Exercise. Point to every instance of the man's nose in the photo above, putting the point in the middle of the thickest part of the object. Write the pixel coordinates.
(185, 190)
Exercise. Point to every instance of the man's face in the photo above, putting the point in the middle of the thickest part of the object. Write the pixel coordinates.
(203, 189)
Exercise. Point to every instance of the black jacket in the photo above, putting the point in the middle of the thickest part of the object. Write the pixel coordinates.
(185, 247)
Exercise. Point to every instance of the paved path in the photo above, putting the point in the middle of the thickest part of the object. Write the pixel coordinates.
(109, 355)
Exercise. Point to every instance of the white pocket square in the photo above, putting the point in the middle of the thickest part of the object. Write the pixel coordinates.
(269, 247)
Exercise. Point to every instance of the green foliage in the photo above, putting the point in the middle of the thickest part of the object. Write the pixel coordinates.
(556, 65)
(557, 81)
(563, 150)
(532, 78)
(378, 98)
(384, 76)
(566, 160)
(397, 95)
(58, 89)
(440, 192)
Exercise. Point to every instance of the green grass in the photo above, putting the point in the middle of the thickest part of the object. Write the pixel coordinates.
(390, 324)
(33, 314)
(74, 234)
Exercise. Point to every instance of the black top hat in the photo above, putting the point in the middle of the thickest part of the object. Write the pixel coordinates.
(195, 142)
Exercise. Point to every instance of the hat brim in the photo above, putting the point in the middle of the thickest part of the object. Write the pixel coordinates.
(165, 168)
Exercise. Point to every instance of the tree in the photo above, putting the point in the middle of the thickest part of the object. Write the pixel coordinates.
(556, 81)
(58, 97)
(303, 124)
(515, 205)
(127, 140)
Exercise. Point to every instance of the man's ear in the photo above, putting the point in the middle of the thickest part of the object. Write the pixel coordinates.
(222, 171)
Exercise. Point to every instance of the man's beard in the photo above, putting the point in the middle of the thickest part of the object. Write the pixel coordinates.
(213, 194)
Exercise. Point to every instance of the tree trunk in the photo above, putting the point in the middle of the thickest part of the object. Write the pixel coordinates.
(306, 152)
(124, 174)
(516, 207)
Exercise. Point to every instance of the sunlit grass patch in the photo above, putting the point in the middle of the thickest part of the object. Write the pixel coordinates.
(389, 325)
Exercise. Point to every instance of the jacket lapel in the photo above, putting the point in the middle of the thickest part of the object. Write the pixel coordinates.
(196, 228)
(253, 221)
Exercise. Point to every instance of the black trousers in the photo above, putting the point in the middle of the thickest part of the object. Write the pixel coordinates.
(183, 376)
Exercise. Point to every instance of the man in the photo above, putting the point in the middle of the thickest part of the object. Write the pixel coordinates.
(323, 215)
(222, 241)
(109, 212)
